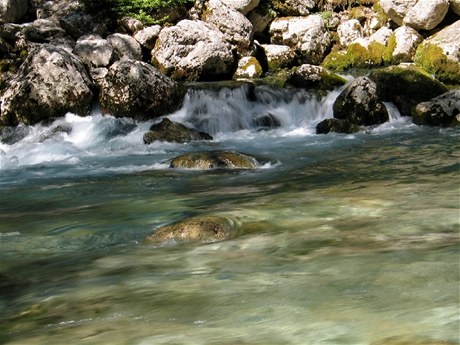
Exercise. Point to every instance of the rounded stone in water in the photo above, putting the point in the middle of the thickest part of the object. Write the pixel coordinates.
(215, 159)
(196, 229)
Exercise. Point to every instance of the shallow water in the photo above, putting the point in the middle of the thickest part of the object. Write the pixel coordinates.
(342, 239)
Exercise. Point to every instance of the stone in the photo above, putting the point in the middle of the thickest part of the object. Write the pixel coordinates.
(265, 121)
(148, 36)
(237, 29)
(455, 6)
(406, 85)
(294, 7)
(94, 50)
(349, 31)
(12, 11)
(360, 104)
(314, 77)
(50, 83)
(138, 90)
(260, 20)
(170, 131)
(443, 110)
(214, 160)
(242, 6)
(406, 43)
(193, 50)
(197, 229)
(248, 67)
(125, 47)
(131, 25)
(278, 56)
(43, 30)
(381, 36)
(396, 10)
(336, 125)
(308, 35)
(426, 14)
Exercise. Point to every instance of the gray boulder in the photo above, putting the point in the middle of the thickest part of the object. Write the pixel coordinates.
(94, 50)
(336, 125)
(170, 131)
(360, 104)
(407, 40)
(196, 229)
(443, 110)
(215, 160)
(455, 6)
(137, 89)
(278, 56)
(193, 50)
(317, 77)
(125, 47)
(294, 7)
(243, 6)
(308, 35)
(50, 83)
(248, 67)
(148, 36)
(237, 29)
(12, 11)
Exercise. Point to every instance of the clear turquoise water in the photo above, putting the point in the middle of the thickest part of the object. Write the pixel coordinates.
(342, 239)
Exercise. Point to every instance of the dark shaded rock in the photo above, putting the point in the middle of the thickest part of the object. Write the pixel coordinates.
(137, 89)
(50, 83)
(443, 110)
(197, 229)
(314, 77)
(360, 104)
(12, 11)
(167, 130)
(214, 160)
(406, 86)
(265, 121)
(336, 125)
(11, 135)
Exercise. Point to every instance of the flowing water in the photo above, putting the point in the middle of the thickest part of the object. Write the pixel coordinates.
(342, 239)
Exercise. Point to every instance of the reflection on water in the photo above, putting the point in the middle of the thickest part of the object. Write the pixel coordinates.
(344, 240)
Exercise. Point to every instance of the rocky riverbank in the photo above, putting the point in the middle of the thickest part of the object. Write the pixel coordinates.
(58, 57)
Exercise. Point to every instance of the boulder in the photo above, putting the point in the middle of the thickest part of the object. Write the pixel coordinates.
(406, 43)
(237, 29)
(193, 50)
(242, 6)
(196, 229)
(137, 89)
(418, 14)
(440, 54)
(314, 77)
(260, 19)
(360, 104)
(308, 35)
(406, 86)
(426, 14)
(79, 23)
(94, 50)
(337, 126)
(43, 30)
(214, 160)
(125, 47)
(381, 36)
(12, 11)
(455, 6)
(131, 25)
(50, 83)
(443, 110)
(294, 7)
(278, 56)
(349, 31)
(148, 36)
(170, 131)
(248, 67)
(265, 121)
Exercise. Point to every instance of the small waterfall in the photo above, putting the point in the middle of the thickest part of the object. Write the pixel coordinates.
(250, 107)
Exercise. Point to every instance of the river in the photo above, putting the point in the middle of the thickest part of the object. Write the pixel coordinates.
(342, 239)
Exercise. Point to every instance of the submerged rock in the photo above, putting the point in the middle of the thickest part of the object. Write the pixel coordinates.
(443, 110)
(137, 89)
(360, 104)
(50, 83)
(337, 125)
(167, 130)
(196, 229)
(214, 159)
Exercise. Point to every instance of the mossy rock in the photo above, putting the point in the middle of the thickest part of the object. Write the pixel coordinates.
(170, 131)
(214, 160)
(196, 229)
(406, 85)
(432, 58)
(317, 77)
(358, 56)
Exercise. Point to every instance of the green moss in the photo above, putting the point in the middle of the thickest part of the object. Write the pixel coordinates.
(432, 58)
